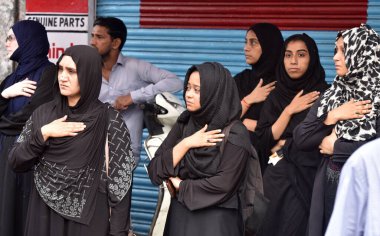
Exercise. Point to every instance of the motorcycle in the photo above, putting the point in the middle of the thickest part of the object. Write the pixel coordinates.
(159, 118)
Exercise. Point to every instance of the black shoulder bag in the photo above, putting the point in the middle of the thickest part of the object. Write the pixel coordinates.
(254, 204)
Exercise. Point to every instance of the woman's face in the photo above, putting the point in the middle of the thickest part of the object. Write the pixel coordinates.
(11, 43)
(193, 92)
(252, 48)
(68, 80)
(339, 58)
(296, 59)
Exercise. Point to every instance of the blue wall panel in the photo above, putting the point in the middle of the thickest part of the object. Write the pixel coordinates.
(374, 14)
(176, 50)
(127, 10)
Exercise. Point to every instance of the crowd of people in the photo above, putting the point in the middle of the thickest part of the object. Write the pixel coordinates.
(70, 136)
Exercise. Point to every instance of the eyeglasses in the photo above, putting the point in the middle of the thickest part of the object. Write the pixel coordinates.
(10, 38)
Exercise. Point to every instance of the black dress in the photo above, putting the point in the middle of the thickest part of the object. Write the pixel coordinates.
(308, 136)
(289, 183)
(271, 42)
(59, 226)
(204, 206)
(42, 220)
(15, 187)
(246, 81)
(207, 202)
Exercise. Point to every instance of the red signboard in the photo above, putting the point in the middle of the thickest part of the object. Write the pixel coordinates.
(57, 6)
(66, 22)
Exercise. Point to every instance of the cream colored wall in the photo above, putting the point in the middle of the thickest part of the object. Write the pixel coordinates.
(10, 11)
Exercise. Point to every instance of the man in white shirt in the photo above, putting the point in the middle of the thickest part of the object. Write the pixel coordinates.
(127, 81)
(357, 203)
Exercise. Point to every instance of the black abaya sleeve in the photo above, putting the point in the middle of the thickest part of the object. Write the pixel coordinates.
(29, 146)
(343, 149)
(246, 82)
(264, 136)
(266, 141)
(12, 124)
(161, 167)
(309, 134)
(3, 100)
(205, 192)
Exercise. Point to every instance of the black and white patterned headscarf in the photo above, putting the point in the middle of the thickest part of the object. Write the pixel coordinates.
(362, 82)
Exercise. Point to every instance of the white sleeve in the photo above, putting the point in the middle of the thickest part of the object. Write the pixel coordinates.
(350, 209)
(159, 81)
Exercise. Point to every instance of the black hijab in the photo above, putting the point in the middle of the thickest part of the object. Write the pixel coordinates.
(271, 42)
(220, 105)
(286, 89)
(71, 166)
(33, 47)
(312, 80)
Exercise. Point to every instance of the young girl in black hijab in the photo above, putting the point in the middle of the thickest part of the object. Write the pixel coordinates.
(263, 43)
(289, 177)
(75, 191)
(346, 117)
(207, 180)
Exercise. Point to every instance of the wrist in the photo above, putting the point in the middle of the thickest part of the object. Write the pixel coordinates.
(44, 133)
(246, 102)
(288, 111)
(186, 143)
(331, 119)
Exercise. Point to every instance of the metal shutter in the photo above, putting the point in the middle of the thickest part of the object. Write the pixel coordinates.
(177, 48)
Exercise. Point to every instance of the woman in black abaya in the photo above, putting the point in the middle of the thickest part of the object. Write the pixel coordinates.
(263, 43)
(75, 191)
(346, 117)
(207, 180)
(289, 177)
